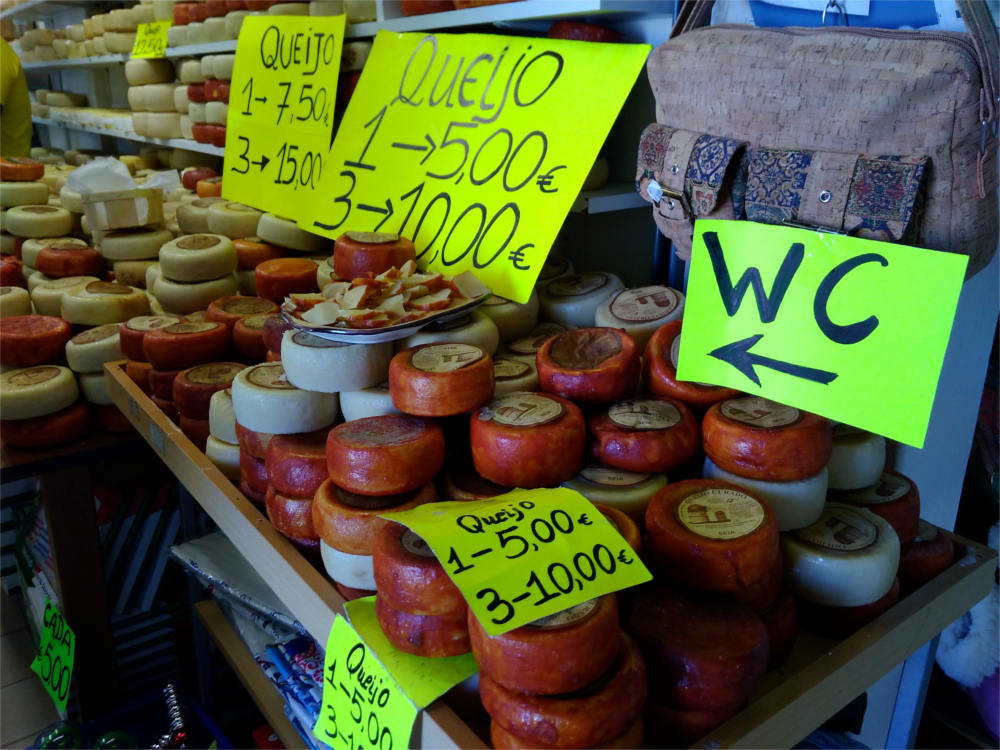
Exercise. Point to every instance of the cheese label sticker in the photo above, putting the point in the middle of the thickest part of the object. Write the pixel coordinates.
(535, 340)
(255, 322)
(720, 514)
(760, 412)
(246, 305)
(241, 208)
(577, 286)
(215, 373)
(446, 357)
(566, 617)
(496, 300)
(373, 238)
(66, 283)
(316, 342)
(645, 414)
(33, 376)
(644, 304)
(413, 544)
(190, 327)
(889, 487)
(553, 266)
(509, 369)
(107, 287)
(198, 242)
(925, 532)
(270, 376)
(152, 322)
(96, 334)
(840, 528)
(601, 474)
(522, 410)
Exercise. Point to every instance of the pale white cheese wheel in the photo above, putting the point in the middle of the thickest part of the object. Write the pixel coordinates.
(27, 272)
(100, 46)
(512, 375)
(187, 128)
(246, 281)
(152, 273)
(189, 71)
(512, 320)
(137, 98)
(193, 216)
(39, 221)
(14, 301)
(325, 273)
(181, 101)
(163, 10)
(215, 29)
(31, 248)
(177, 36)
(36, 279)
(526, 348)
(47, 296)
(234, 22)
(353, 56)
(71, 200)
(94, 388)
(858, 458)
(139, 243)
(627, 491)
(474, 328)
(554, 268)
(848, 558)
(225, 456)
(796, 504)
(233, 220)
(123, 20)
(289, 9)
(208, 66)
(641, 311)
(102, 302)
(198, 257)
(222, 417)
(353, 571)
(197, 113)
(188, 297)
(140, 123)
(264, 401)
(163, 124)
(368, 402)
(317, 364)
(181, 158)
(89, 350)
(65, 99)
(145, 71)
(132, 272)
(36, 391)
(159, 97)
(216, 112)
(224, 65)
(283, 232)
(326, 7)
(143, 13)
(574, 300)
(197, 34)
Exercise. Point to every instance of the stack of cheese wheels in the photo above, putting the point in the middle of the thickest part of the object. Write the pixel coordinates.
(193, 389)
(462, 483)
(526, 348)
(28, 340)
(777, 452)
(159, 384)
(590, 365)
(893, 496)
(647, 434)
(86, 354)
(929, 553)
(374, 401)
(475, 329)
(250, 253)
(222, 447)
(572, 679)
(625, 491)
(709, 654)
(231, 310)
(318, 364)
(842, 569)
(195, 270)
(14, 300)
(512, 320)
(421, 611)
(358, 254)
(375, 464)
(440, 380)
(41, 407)
(102, 302)
(133, 252)
(265, 404)
(510, 375)
(574, 300)
(857, 459)
(641, 311)
(21, 187)
(659, 372)
(62, 257)
(248, 336)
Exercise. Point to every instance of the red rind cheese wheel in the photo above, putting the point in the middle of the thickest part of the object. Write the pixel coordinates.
(217, 134)
(632, 738)
(194, 387)
(195, 430)
(12, 271)
(462, 483)
(296, 464)
(257, 498)
(191, 177)
(624, 526)
(62, 262)
(589, 365)
(290, 515)
(131, 333)
(385, 455)
(895, 498)
(64, 426)
(840, 622)
(557, 654)
(683, 727)
(254, 443)
(110, 418)
(441, 380)
(276, 279)
(230, 310)
(782, 624)
(354, 528)
(212, 89)
(196, 93)
(528, 442)
(248, 338)
(711, 535)
(29, 340)
(161, 383)
(930, 553)
(598, 713)
(253, 251)
(358, 254)
(138, 373)
(759, 439)
(706, 650)
(183, 345)
(273, 331)
(350, 594)
(182, 13)
(762, 594)
(202, 133)
(583, 32)
(20, 169)
(422, 7)
(167, 407)
(254, 472)
(434, 636)
(647, 434)
(659, 370)
(211, 187)
(410, 577)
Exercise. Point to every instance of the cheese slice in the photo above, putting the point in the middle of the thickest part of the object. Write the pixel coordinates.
(139, 243)
(265, 401)
(625, 491)
(102, 302)
(355, 571)
(574, 300)
(222, 417)
(47, 295)
(475, 329)
(641, 311)
(14, 301)
(512, 320)
(316, 364)
(198, 257)
(189, 297)
(89, 350)
(368, 402)
(36, 391)
(94, 388)
(225, 456)
(858, 458)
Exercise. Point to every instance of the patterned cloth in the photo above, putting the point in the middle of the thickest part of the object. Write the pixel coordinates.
(705, 173)
(775, 183)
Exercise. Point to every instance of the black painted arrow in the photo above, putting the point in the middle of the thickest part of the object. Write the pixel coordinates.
(386, 212)
(263, 162)
(738, 355)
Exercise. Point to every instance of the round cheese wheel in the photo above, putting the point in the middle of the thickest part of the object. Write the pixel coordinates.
(641, 311)
(246, 283)
(289, 514)
(94, 389)
(583, 32)
(462, 484)
(189, 71)
(574, 299)
(59, 263)
(248, 337)
(216, 113)
(265, 401)
(760, 439)
(14, 300)
(32, 247)
(781, 621)
(159, 98)
(384, 455)
(36, 391)
(139, 243)
(513, 375)
(350, 522)
(358, 254)
(474, 329)
(512, 320)
(528, 440)
(102, 302)
(47, 295)
(325, 274)
(230, 310)
(526, 349)
(195, 430)
(368, 402)
(225, 456)
(188, 297)
(23, 194)
(66, 425)
(711, 535)
(762, 594)
(252, 251)
(198, 257)
(318, 364)
(590, 365)
(27, 340)
(182, 104)
(222, 417)
(89, 350)
(233, 220)
(435, 636)
(191, 177)
(253, 471)
(110, 419)
(38, 221)
(841, 622)
(143, 71)
(163, 124)
(554, 268)
(193, 217)
(296, 464)
(182, 345)
(930, 553)
(659, 370)
(133, 331)
(285, 233)
(627, 491)
(254, 443)
(857, 459)
(409, 576)
(597, 714)
(648, 434)
(224, 65)
(273, 356)
(161, 383)
(280, 277)
(438, 380)
(273, 332)
(633, 737)
(355, 572)
(132, 272)
(894, 497)
(194, 387)
(20, 169)
(685, 726)
(177, 36)
(848, 558)
(138, 373)
(625, 526)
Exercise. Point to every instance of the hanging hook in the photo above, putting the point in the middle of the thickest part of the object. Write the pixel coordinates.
(841, 10)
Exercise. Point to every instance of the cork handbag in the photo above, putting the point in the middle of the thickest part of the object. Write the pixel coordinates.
(889, 135)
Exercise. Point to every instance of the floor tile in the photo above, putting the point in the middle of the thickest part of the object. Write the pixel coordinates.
(25, 708)
(11, 619)
(16, 654)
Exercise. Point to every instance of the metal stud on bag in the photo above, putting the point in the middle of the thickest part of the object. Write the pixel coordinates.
(825, 196)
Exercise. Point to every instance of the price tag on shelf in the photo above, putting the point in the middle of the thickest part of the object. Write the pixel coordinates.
(151, 39)
(362, 705)
(56, 654)
(281, 110)
(527, 554)
(474, 146)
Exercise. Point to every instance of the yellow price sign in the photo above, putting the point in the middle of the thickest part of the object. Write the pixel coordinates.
(281, 110)
(844, 327)
(362, 705)
(474, 146)
(151, 39)
(525, 555)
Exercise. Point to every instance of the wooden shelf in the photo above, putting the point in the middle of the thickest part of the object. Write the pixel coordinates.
(205, 148)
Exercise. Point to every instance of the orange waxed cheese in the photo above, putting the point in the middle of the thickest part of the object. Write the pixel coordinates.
(434, 636)
(624, 525)
(194, 387)
(161, 383)
(356, 255)
(781, 621)
(109, 417)
(183, 345)
(64, 426)
(410, 577)
(894, 497)
(20, 169)
(252, 251)
(762, 594)
(230, 310)
(590, 365)
(248, 337)
(463, 484)
(441, 380)
(210, 187)
(259, 498)
(28, 340)
(130, 334)
(138, 373)
(646, 434)
(195, 430)
(659, 370)
(632, 737)
(276, 279)
(930, 553)
(254, 443)
(253, 471)
(168, 407)
(841, 622)
(296, 464)
(60, 262)
(290, 514)
(685, 726)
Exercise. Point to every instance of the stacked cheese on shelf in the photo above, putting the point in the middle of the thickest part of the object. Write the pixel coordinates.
(151, 96)
(87, 353)
(205, 103)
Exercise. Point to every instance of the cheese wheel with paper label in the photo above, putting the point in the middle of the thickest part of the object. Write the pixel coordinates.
(248, 337)
(194, 387)
(27, 340)
(63, 426)
(289, 514)
(894, 497)
(760, 439)
(512, 320)
(190, 297)
(47, 295)
(358, 254)
(198, 257)
(526, 348)
(711, 535)
(265, 401)
(38, 221)
(183, 345)
(102, 302)
(762, 595)
(439, 380)
(225, 456)
(193, 217)
(590, 365)
(230, 310)
(528, 440)
(253, 471)
(841, 622)
(553, 269)
(930, 553)
(641, 311)
(280, 277)
(285, 233)
(368, 402)
(14, 300)
(462, 484)
(474, 329)
(253, 442)
(685, 726)
(36, 391)
(138, 373)
(233, 220)
(296, 464)
(434, 636)
(624, 525)
(633, 737)
(857, 459)
(659, 371)
(781, 621)
(161, 383)
(648, 434)
(574, 299)
(318, 364)
(89, 350)
(32, 247)
(133, 331)
(627, 491)
(222, 417)
(848, 558)
(410, 577)
(513, 375)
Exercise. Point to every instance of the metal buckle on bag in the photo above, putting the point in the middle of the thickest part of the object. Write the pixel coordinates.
(673, 197)
(813, 227)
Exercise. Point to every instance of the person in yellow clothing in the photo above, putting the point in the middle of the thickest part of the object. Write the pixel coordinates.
(15, 107)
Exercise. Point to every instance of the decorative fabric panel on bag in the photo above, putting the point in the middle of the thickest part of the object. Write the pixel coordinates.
(775, 185)
(652, 148)
(886, 199)
(707, 170)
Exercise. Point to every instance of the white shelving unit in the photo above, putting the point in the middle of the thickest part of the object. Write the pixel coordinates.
(204, 148)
